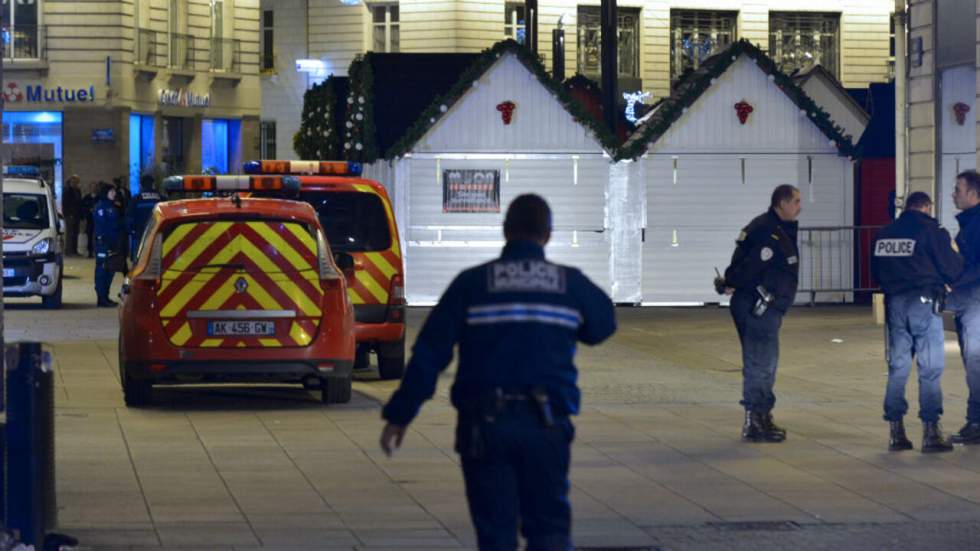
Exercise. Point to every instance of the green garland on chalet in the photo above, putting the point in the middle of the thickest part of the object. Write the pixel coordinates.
(690, 88)
(441, 105)
(316, 138)
(359, 135)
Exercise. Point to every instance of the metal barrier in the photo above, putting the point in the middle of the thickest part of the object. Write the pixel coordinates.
(835, 261)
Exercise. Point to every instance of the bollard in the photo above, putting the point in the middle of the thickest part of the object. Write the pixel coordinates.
(30, 493)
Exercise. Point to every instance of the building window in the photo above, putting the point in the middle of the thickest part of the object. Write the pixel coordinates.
(21, 33)
(267, 139)
(514, 22)
(590, 43)
(891, 46)
(268, 42)
(798, 40)
(180, 43)
(385, 36)
(696, 35)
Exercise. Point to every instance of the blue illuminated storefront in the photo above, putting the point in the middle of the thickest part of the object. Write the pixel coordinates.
(221, 148)
(142, 148)
(36, 138)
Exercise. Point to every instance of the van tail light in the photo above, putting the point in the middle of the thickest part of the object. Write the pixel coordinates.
(154, 266)
(327, 270)
(396, 299)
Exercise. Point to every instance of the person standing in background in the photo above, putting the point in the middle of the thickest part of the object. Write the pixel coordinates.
(71, 208)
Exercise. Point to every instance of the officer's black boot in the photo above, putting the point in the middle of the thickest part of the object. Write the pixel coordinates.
(969, 434)
(897, 441)
(771, 426)
(105, 302)
(755, 430)
(933, 440)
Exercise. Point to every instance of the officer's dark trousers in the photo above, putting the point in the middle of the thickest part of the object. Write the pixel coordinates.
(966, 304)
(760, 351)
(72, 225)
(914, 330)
(103, 277)
(522, 473)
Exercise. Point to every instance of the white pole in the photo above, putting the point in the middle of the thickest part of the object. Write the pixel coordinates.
(901, 104)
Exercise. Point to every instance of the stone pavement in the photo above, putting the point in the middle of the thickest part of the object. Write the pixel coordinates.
(657, 461)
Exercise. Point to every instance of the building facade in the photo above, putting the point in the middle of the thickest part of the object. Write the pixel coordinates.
(940, 89)
(128, 87)
(659, 39)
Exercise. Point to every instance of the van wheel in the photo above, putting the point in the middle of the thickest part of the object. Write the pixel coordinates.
(362, 360)
(53, 302)
(334, 390)
(391, 360)
(136, 393)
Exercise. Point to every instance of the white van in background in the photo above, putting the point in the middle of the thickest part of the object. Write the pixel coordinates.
(33, 237)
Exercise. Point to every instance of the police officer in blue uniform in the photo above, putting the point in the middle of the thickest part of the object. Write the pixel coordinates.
(965, 299)
(138, 213)
(762, 279)
(517, 320)
(108, 233)
(913, 260)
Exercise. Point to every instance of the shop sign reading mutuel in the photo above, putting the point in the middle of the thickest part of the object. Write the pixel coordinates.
(184, 98)
(39, 93)
(470, 190)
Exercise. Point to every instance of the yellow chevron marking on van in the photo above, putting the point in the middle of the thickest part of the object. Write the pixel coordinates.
(371, 285)
(304, 236)
(176, 236)
(354, 297)
(182, 335)
(382, 264)
(206, 239)
(299, 334)
(280, 245)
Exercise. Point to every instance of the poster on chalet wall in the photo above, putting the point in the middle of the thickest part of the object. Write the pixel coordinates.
(470, 190)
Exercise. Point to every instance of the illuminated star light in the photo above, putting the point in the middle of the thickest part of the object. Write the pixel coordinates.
(632, 98)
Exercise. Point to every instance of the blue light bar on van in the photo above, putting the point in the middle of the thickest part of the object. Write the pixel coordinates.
(318, 168)
(24, 171)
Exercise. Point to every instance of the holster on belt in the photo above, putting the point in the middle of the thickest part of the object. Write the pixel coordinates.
(542, 403)
(939, 301)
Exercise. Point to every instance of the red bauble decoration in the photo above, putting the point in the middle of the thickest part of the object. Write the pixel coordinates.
(506, 110)
(742, 109)
(960, 110)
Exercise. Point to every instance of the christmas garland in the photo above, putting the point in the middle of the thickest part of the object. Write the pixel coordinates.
(694, 85)
(317, 138)
(431, 115)
(359, 135)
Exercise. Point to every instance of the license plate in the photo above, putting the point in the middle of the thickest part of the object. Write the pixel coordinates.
(241, 328)
(9, 272)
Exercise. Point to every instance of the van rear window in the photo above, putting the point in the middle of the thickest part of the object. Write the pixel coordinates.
(353, 221)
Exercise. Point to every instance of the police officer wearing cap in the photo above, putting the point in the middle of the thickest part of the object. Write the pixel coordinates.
(965, 298)
(913, 260)
(762, 279)
(516, 320)
(108, 231)
(138, 213)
